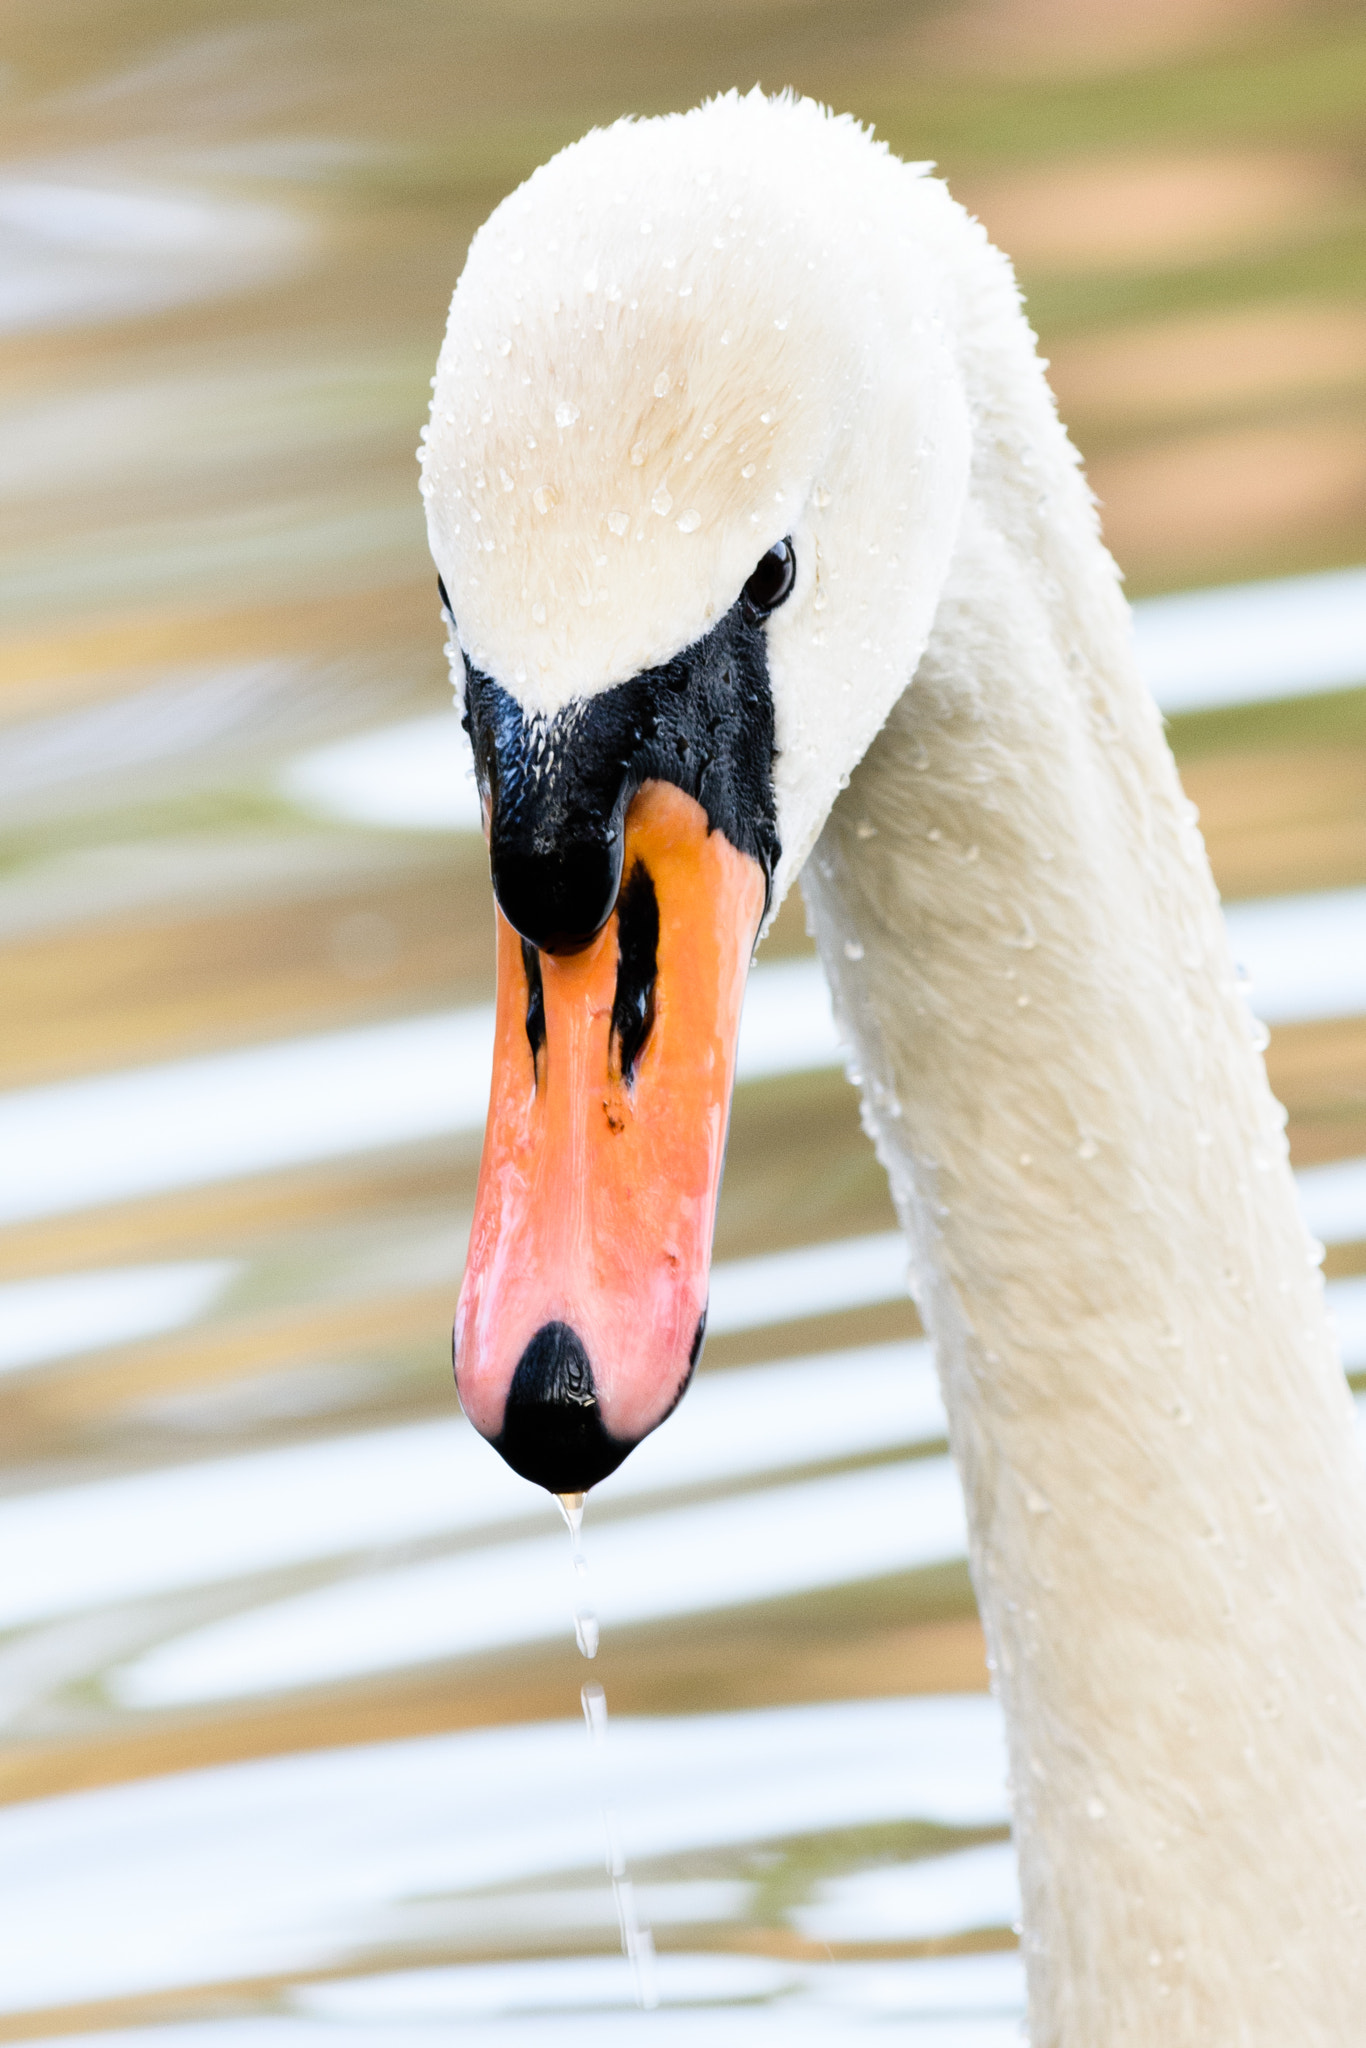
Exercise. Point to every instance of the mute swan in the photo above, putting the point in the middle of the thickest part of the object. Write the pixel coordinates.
(765, 552)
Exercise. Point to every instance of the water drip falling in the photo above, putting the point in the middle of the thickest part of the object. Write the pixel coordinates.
(585, 1621)
(637, 1942)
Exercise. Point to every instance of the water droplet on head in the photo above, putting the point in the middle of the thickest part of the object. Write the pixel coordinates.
(505, 345)
(661, 385)
(538, 614)
(662, 502)
(544, 498)
(689, 522)
(618, 522)
(820, 497)
(749, 469)
(566, 412)
(638, 454)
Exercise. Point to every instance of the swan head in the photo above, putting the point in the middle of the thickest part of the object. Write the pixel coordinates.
(693, 471)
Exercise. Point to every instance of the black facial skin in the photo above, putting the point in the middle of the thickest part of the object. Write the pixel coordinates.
(559, 789)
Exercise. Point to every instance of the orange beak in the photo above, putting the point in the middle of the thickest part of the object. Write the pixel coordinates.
(584, 1301)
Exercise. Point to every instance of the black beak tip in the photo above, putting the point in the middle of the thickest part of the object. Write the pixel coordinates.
(552, 1426)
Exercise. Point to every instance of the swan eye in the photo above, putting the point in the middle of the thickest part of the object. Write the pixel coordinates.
(444, 598)
(771, 582)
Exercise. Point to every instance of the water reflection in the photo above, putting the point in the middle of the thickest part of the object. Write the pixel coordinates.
(45, 1319)
(74, 252)
(795, 1539)
(296, 1863)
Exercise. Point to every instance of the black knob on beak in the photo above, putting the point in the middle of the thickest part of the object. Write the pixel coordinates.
(558, 900)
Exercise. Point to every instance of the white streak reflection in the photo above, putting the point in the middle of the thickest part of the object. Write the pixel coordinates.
(1247, 643)
(69, 1313)
(834, 2002)
(188, 1123)
(1305, 956)
(971, 1889)
(72, 252)
(993, 1982)
(276, 1867)
(763, 1546)
(418, 775)
(1347, 1307)
(153, 1532)
(1333, 1202)
(809, 1280)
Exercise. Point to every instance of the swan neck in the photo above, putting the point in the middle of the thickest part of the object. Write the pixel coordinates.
(1166, 1502)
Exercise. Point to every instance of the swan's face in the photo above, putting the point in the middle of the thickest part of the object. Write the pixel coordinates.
(685, 579)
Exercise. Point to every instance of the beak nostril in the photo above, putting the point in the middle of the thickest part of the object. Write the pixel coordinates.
(552, 1430)
(535, 1005)
(633, 1007)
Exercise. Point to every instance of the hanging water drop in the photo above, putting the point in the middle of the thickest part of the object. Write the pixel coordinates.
(585, 1620)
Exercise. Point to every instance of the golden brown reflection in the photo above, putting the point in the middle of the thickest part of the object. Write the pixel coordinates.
(225, 253)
